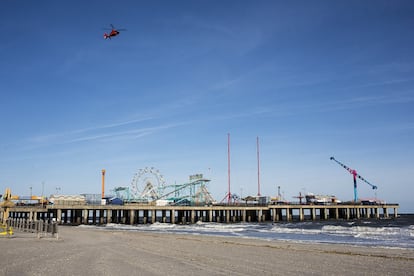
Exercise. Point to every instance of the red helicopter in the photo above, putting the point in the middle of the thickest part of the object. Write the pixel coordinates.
(114, 32)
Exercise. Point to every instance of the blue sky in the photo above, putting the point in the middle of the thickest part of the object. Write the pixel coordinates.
(311, 79)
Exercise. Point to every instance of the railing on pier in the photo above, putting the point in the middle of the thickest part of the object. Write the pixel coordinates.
(39, 227)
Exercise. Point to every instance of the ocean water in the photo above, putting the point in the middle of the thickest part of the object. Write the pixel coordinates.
(393, 232)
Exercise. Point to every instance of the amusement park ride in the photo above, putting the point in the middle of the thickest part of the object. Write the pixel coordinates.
(355, 175)
(149, 186)
(9, 201)
(5, 205)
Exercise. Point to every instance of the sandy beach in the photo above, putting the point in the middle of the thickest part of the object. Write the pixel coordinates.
(83, 251)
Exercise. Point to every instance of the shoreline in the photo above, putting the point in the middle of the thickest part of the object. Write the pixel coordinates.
(80, 250)
(267, 240)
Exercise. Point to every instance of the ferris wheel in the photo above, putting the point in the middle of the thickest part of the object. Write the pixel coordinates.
(148, 184)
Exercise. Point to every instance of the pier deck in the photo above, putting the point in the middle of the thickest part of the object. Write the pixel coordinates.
(142, 214)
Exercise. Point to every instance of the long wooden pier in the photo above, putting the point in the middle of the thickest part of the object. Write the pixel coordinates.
(142, 214)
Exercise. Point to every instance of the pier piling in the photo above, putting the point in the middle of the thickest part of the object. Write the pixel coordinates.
(142, 214)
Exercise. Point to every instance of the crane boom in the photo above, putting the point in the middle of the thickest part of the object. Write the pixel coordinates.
(355, 175)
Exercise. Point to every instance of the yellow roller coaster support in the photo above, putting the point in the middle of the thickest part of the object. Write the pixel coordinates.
(6, 204)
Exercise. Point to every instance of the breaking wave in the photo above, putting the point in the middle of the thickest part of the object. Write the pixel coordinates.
(397, 233)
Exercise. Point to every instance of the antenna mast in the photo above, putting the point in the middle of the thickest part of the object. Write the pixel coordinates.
(258, 167)
(228, 164)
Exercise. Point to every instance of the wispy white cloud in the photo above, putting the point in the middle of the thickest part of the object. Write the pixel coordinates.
(125, 130)
(362, 101)
(286, 109)
(225, 84)
(76, 132)
(128, 134)
(382, 83)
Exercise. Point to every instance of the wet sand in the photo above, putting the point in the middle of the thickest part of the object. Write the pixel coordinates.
(83, 251)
